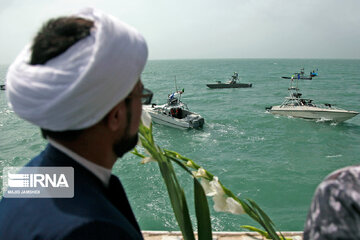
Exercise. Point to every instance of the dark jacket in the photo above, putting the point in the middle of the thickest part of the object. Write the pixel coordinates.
(95, 212)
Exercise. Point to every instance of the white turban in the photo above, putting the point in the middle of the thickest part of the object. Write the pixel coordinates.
(76, 89)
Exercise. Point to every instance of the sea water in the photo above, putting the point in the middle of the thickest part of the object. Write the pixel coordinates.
(276, 161)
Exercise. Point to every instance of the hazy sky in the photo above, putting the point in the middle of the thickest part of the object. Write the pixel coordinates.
(207, 28)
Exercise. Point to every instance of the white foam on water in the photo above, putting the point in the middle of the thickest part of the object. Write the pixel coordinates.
(334, 156)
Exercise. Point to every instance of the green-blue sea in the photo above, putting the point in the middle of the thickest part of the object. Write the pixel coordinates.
(276, 161)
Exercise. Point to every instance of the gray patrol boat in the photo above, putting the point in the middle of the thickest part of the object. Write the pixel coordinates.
(232, 83)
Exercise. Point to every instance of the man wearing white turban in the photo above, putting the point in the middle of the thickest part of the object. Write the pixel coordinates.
(79, 81)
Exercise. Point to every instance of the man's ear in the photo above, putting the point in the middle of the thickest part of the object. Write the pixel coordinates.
(117, 115)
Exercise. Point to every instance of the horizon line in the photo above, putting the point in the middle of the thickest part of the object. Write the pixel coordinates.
(238, 58)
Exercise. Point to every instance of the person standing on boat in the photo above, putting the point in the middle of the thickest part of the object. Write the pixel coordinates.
(335, 208)
(234, 78)
(80, 83)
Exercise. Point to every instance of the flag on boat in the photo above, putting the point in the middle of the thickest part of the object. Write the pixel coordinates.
(181, 91)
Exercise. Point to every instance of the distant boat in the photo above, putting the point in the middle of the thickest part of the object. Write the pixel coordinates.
(232, 83)
(298, 107)
(314, 74)
(301, 75)
(2, 87)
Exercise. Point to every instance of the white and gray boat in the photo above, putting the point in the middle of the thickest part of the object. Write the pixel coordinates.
(296, 106)
(174, 113)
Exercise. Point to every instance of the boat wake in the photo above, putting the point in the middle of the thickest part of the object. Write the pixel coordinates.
(255, 139)
(334, 156)
(324, 120)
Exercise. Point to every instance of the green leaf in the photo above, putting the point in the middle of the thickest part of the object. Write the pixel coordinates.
(151, 149)
(135, 152)
(251, 212)
(265, 221)
(177, 199)
(188, 230)
(266, 217)
(202, 212)
(179, 156)
(181, 165)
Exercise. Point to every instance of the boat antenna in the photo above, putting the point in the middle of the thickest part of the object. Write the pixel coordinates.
(175, 84)
(177, 90)
(297, 82)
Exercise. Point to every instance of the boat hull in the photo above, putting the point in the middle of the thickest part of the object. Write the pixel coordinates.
(170, 121)
(226, 85)
(334, 115)
(301, 78)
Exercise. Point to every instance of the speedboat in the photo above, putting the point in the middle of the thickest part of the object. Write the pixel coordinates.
(314, 74)
(174, 113)
(301, 75)
(296, 106)
(232, 83)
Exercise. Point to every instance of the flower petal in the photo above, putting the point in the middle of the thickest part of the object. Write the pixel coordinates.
(220, 203)
(145, 119)
(200, 173)
(212, 188)
(209, 191)
(234, 206)
(215, 184)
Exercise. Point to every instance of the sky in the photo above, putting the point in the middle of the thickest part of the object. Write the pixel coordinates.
(201, 29)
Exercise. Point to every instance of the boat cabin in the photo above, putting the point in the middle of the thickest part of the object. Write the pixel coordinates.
(176, 113)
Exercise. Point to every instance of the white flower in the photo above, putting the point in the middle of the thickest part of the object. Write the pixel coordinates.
(207, 188)
(215, 184)
(200, 173)
(222, 203)
(145, 119)
(147, 159)
(234, 206)
(227, 204)
(212, 188)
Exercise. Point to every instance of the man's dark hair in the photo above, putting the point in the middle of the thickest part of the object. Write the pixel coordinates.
(54, 38)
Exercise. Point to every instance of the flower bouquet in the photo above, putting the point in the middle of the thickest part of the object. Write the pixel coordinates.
(205, 184)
